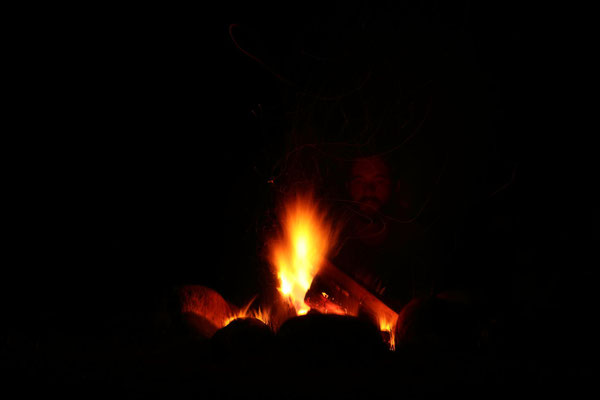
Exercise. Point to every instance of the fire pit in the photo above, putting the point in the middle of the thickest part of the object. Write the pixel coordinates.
(319, 313)
(321, 326)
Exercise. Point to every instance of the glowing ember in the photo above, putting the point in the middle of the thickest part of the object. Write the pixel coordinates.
(301, 249)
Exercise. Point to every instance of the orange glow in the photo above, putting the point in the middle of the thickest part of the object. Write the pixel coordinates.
(299, 252)
(260, 314)
(388, 325)
(245, 312)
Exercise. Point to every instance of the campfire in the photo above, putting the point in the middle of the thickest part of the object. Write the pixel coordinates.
(307, 282)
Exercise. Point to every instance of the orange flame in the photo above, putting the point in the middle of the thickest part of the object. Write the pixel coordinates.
(389, 326)
(299, 252)
(245, 312)
(260, 314)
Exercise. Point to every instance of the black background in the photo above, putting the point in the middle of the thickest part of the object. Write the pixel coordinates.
(138, 163)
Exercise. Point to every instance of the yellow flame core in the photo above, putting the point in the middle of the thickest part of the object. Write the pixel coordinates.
(299, 253)
(389, 326)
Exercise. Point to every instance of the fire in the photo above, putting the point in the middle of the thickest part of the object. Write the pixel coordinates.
(260, 314)
(299, 252)
(388, 326)
(245, 312)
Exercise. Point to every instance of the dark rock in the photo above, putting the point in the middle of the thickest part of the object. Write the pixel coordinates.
(206, 303)
(198, 326)
(434, 324)
(242, 338)
(327, 338)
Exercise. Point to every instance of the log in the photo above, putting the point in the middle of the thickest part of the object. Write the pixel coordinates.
(335, 292)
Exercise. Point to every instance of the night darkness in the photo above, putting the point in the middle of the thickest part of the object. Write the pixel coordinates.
(153, 150)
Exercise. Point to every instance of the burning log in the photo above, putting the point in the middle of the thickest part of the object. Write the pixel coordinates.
(334, 292)
(435, 323)
(347, 296)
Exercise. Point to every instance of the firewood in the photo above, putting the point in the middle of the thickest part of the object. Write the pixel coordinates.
(346, 297)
